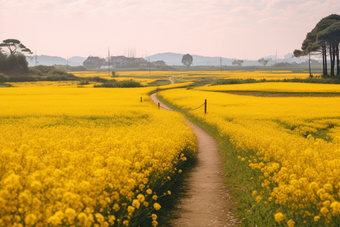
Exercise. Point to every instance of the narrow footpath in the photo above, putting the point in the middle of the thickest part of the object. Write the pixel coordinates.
(205, 200)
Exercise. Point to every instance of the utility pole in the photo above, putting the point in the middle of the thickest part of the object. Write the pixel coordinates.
(220, 64)
(67, 63)
(108, 60)
(149, 67)
(275, 57)
(36, 58)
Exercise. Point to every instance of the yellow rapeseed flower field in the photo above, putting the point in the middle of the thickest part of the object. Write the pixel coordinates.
(275, 87)
(269, 75)
(290, 146)
(86, 157)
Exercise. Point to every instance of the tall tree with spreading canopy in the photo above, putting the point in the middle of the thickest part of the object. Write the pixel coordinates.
(331, 36)
(14, 47)
(12, 55)
(187, 60)
(324, 39)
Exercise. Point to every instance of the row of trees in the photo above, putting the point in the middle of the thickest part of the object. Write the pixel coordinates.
(187, 61)
(323, 40)
(263, 61)
(12, 56)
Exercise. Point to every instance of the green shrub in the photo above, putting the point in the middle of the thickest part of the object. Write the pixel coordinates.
(21, 78)
(3, 78)
(84, 82)
(35, 72)
(234, 81)
(44, 69)
(58, 77)
(123, 83)
(69, 68)
(98, 79)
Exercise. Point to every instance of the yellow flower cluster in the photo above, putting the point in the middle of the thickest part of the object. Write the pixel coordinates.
(258, 75)
(74, 84)
(86, 157)
(291, 145)
(275, 87)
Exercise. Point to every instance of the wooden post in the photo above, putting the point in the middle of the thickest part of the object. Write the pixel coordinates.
(159, 105)
(205, 106)
(141, 99)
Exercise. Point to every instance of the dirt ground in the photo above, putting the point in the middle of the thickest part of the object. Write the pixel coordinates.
(205, 200)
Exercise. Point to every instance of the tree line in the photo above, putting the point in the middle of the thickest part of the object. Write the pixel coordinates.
(324, 40)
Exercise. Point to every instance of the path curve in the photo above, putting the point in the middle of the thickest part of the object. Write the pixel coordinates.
(205, 200)
(171, 80)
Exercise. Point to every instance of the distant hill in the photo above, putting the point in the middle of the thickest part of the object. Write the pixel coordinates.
(54, 60)
(176, 59)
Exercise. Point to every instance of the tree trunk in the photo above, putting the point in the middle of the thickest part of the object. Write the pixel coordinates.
(323, 62)
(310, 71)
(324, 57)
(334, 59)
(331, 58)
(337, 60)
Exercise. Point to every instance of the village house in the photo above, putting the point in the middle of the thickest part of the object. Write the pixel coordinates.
(94, 62)
(119, 61)
(115, 61)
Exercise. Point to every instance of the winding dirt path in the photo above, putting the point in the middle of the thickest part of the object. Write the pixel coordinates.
(171, 80)
(205, 200)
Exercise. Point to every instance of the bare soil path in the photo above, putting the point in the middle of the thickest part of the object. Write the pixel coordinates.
(205, 200)
(171, 80)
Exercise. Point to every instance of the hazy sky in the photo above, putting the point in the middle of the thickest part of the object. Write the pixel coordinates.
(229, 28)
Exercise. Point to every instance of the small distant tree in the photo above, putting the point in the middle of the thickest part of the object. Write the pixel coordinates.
(15, 46)
(237, 62)
(187, 60)
(114, 74)
(263, 61)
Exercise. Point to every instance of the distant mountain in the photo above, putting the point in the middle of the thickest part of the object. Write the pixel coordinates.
(176, 59)
(287, 58)
(54, 60)
(76, 60)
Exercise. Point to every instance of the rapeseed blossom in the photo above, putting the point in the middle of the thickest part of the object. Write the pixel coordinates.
(86, 157)
(291, 146)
